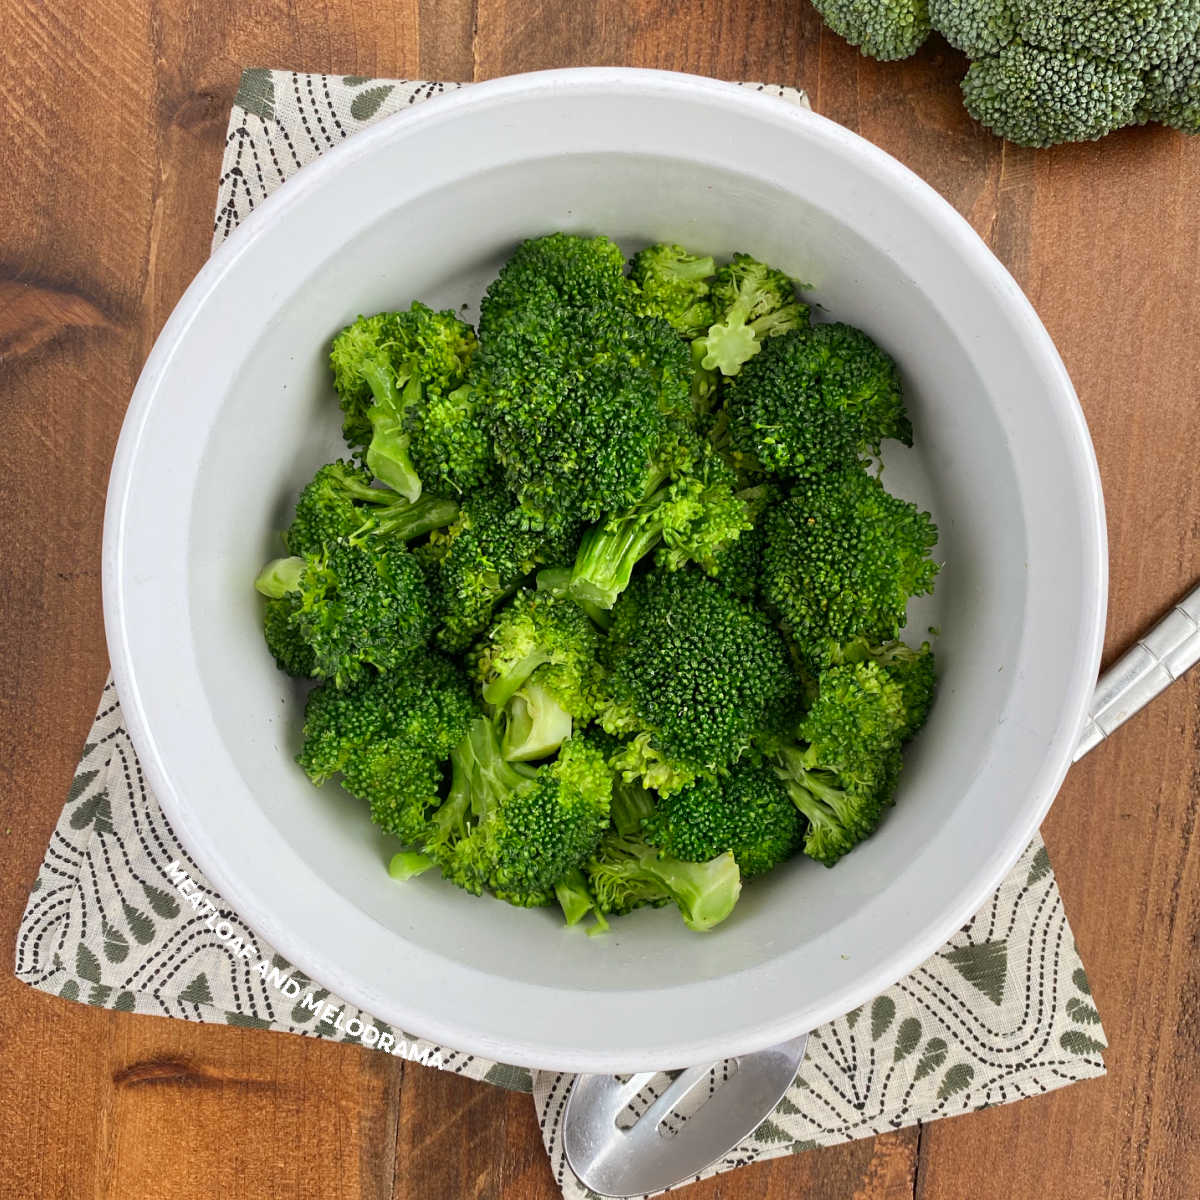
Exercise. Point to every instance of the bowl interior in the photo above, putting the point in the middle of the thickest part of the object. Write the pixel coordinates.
(243, 403)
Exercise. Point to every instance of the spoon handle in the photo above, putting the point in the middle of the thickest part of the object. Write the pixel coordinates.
(1158, 659)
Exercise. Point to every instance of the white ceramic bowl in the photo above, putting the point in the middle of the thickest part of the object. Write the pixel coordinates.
(234, 411)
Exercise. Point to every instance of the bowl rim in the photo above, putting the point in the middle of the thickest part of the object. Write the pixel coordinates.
(1046, 780)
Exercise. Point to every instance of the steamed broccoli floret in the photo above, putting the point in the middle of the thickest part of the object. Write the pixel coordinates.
(626, 873)
(355, 606)
(545, 637)
(884, 29)
(694, 667)
(285, 641)
(752, 303)
(842, 769)
(388, 737)
(815, 398)
(514, 830)
(842, 559)
(693, 514)
(746, 811)
(558, 270)
(672, 284)
(392, 371)
(339, 502)
(581, 400)
(912, 669)
(480, 559)
(1048, 71)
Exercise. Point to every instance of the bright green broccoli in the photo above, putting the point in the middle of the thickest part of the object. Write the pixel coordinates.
(340, 503)
(842, 769)
(285, 641)
(693, 667)
(691, 511)
(747, 811)
(672, 284)
(1048, 71)
(842, 559)
(482, 557)
(752, 302)
(538, 663)
(815, 398)
(514, 830)
(913, 670)
(388, 737)
(581, 401)
(626, 873)
(402, 381)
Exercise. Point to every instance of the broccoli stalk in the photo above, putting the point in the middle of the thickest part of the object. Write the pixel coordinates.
(535, 724)
(753, 302)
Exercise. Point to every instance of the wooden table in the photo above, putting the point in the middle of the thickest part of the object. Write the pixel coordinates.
(114, 118)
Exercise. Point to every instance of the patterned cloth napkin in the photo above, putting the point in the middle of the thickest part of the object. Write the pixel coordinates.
(121, 917)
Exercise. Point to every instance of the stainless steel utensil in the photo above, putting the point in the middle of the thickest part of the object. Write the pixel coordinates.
(627, 1135)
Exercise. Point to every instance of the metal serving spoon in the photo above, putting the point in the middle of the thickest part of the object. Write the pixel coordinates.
(620, 1142)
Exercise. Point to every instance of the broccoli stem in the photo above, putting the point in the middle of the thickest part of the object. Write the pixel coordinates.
(576, 900)
(481, 777)
(500, 690)
(280, 577)
(536, 725)
(388, 456)
(408, 864)
(557, 581)
(407, 521)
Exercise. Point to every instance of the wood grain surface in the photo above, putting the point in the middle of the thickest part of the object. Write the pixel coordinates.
(113, 115)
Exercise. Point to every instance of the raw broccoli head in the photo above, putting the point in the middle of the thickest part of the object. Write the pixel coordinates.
(746, 811)
(581, 398)
(884, 29)
(558, 270)
(815, 398)
(842, 559)
(547, 638)
(388, 737)
(340, 503)
(1052, 70)
(672, 284)
(481, 557)
(842, 770)
(517, 831)
(695, 667)
(752, 302)
(388, 370)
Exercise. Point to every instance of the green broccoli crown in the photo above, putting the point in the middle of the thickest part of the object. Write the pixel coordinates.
(339, 502)
(693, 515)
(842, 771)
(388, 736)
(913, 670)
(285, 641)
(548, 638)
(842, 558)
(1172, 93)
(752, 302)
(518, 831)
(558, 270)
(580, 400)
(697, 667)
(626, 873)
(360, 606)
(815, 398)
(673, 284)
(481, 557)
(638, 760)
(451, 442)
(976, 27)
(1038, 97)
(387, 369)
(747, 811)
(884, 29)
